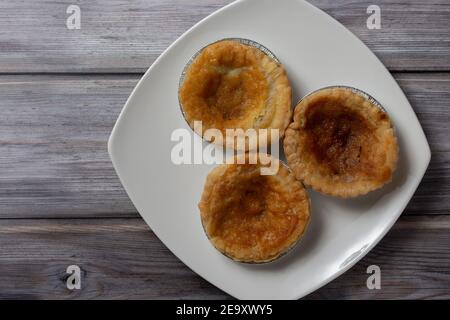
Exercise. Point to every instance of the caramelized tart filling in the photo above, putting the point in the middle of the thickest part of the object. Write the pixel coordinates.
(224, 86)
(232, 85)
(339, 139)
(340, 143)
(250, 217)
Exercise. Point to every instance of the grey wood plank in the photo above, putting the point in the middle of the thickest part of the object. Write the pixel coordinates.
(122, 258)
(429, 95)
(119, 258)
(433, 194)
(124, 36)
(53, 144)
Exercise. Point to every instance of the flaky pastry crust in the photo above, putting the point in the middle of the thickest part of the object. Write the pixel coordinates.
(250, 217)
(340, 143)
(231, 85)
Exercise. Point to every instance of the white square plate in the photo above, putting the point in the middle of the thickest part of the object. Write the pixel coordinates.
(317, 51)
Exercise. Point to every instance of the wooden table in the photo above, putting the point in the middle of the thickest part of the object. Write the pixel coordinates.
(61, 202)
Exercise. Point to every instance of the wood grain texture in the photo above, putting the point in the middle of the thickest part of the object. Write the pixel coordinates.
(53, 145)
(61, 202)
(127, 36)
(122, 258)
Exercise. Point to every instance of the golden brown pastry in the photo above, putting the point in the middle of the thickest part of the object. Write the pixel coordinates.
(232, 85)
(341, 143)
(251, 217)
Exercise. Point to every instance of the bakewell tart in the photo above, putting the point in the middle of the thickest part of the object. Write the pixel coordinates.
(250, 217)
(235, 84)
(341, 142)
